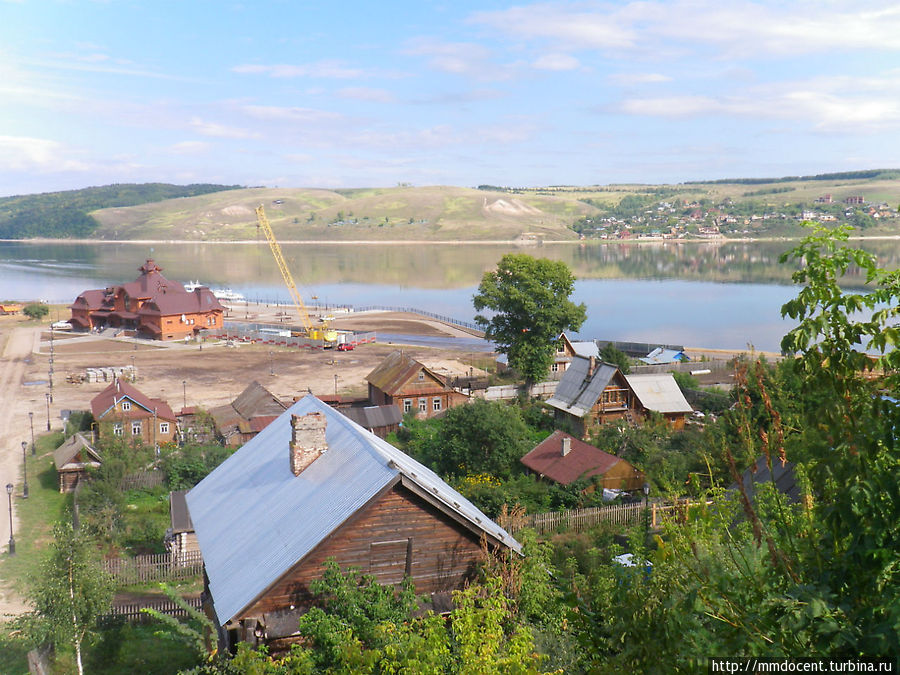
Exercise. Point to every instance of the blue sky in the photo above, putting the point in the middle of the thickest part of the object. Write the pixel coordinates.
(350, 94)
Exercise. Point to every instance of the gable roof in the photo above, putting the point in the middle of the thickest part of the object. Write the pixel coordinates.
(275, 519)
(782, 475)
(396, 370)
(69, 450)
(178, 301)
(578, 391)
(659, 392)
(374, 416)
(257, 400)
(179, 516)
(663, 355)
(103, 402)
(582, 461)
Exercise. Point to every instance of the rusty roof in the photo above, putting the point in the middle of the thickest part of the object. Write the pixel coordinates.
(119, 389)
(583, 460)
(396, 370)
(257, 400)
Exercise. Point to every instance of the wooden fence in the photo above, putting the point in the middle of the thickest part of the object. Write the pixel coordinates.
(579, 520)
(142, 480)
(131, 611)
(154, 568)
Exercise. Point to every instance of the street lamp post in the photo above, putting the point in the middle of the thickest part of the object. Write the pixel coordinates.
(24, 471)
(184, 392)
(12, 542)
(31, 423)
(47, 396)
(646, 490)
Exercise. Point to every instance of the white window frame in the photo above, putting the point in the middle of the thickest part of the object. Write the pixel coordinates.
(163, 427)
(118, 429)
(407, 405)
(126, 406)
(436, 404)
(135, 428)
(423, 405)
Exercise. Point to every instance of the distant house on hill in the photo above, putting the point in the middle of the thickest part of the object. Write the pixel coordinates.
(152, 306)
(315, 485)
(73, 459)
(565, 459)
(251, 412)
(121, 410)
(402, 381)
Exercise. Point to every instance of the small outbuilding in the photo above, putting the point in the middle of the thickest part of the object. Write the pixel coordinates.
(565, 459)
(73, 459)
(251, 412)
(661, 394)
(181, 540)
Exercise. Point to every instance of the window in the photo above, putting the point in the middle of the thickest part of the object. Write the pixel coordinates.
(554, 368)
(163, 427)
(423, 404)
(117, 429)
(436, 403)
(135, 428)
(126, 405)
(421, 377)
(407, 405)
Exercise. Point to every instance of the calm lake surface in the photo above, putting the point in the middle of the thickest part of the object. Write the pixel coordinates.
(714, 295)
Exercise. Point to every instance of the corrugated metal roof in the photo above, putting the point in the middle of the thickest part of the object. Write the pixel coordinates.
(179, 516)
(577, 392)
(586, 349)
(659, 392)
(254, 519)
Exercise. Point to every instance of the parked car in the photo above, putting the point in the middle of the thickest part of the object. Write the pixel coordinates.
(345, 347)
(61, 325)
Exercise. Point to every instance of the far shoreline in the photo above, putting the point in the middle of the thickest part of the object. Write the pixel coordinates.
(519, 243)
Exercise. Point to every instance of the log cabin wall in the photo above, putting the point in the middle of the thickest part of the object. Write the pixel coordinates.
(398, 534)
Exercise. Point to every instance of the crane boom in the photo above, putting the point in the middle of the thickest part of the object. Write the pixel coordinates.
(283, 268)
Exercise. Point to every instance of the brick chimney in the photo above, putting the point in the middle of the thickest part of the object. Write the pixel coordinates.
(307, 440)
(566, 445)
(592, 365)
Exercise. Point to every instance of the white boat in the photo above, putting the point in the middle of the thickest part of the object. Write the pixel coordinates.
(227, 294)
(192, 286)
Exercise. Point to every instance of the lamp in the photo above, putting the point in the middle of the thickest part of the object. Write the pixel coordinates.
(31, 422)
(12, 542)
(24, 471)
(47, 396)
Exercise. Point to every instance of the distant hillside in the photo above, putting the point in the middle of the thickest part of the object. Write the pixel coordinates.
(402, 213)
(62, 215)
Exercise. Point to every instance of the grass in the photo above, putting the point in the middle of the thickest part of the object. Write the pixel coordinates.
(44, 506)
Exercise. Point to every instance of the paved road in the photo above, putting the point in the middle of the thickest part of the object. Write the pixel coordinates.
(14, 429)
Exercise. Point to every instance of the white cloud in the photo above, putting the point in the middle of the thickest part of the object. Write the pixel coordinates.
(458, 58)
(22, 153)
(190, 147)
(638, 78)
(217, 130)
(367, 94)
(289, 114)
(325, 69)
(556, 62)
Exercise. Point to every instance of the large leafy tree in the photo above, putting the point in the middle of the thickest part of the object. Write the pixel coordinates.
(529, 301)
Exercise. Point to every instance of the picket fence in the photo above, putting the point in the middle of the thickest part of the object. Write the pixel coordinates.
(154, 568)
(142, 480)
(131, 611)
(579, 520)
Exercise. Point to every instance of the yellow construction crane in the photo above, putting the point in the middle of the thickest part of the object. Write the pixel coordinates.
(325, 333)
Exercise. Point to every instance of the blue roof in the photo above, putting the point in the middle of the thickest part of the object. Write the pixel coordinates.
(663, 355)
(255, 519)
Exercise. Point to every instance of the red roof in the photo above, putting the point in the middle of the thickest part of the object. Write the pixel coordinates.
(582, 461)
(172, 302)
(120, 389)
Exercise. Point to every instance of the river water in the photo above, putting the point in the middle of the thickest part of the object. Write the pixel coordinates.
(714, 295)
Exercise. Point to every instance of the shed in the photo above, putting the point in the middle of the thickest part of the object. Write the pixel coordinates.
(660, 393)
(379, 419)
(73, 459)
(315, 485)
(181, 540)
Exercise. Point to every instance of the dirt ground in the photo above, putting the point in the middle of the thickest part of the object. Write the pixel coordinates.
(182, 375)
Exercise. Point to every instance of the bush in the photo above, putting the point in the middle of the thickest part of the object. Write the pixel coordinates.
(36, 310)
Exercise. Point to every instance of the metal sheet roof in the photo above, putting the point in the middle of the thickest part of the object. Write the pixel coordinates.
(663, 355)
(586, 349)
(374, 416)
(254, 519)
(659, 392)
(577, 392)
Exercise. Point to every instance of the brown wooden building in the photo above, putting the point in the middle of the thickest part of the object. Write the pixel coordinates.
(411, 386)
(251, 412)
(592, 393)
(73, 459)
(151, 305)
(181, 540)
(565, 459)
(313, 486)
(121, 410)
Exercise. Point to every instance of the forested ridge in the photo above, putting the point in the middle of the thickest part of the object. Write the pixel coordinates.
(65, 215)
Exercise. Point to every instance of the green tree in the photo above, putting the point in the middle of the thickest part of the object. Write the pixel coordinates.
(71, 591)
(36, 310)
(529, 301)
(611, 354)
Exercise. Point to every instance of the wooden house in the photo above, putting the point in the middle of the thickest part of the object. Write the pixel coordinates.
(315, 485)
(181, 540)
(73, 459)
(592, 393)
(378, 419)
(566, 350)
(565, 459)
(254, 409)
(121, 410)
(411, 386)
(151, 306)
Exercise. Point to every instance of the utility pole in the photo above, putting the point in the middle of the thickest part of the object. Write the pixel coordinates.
(24, 471)
(47, 396)
(31, 422)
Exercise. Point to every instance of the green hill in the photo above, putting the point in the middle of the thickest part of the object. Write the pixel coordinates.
(62, 215)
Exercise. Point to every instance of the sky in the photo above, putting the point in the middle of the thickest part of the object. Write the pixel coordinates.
(357, 94)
